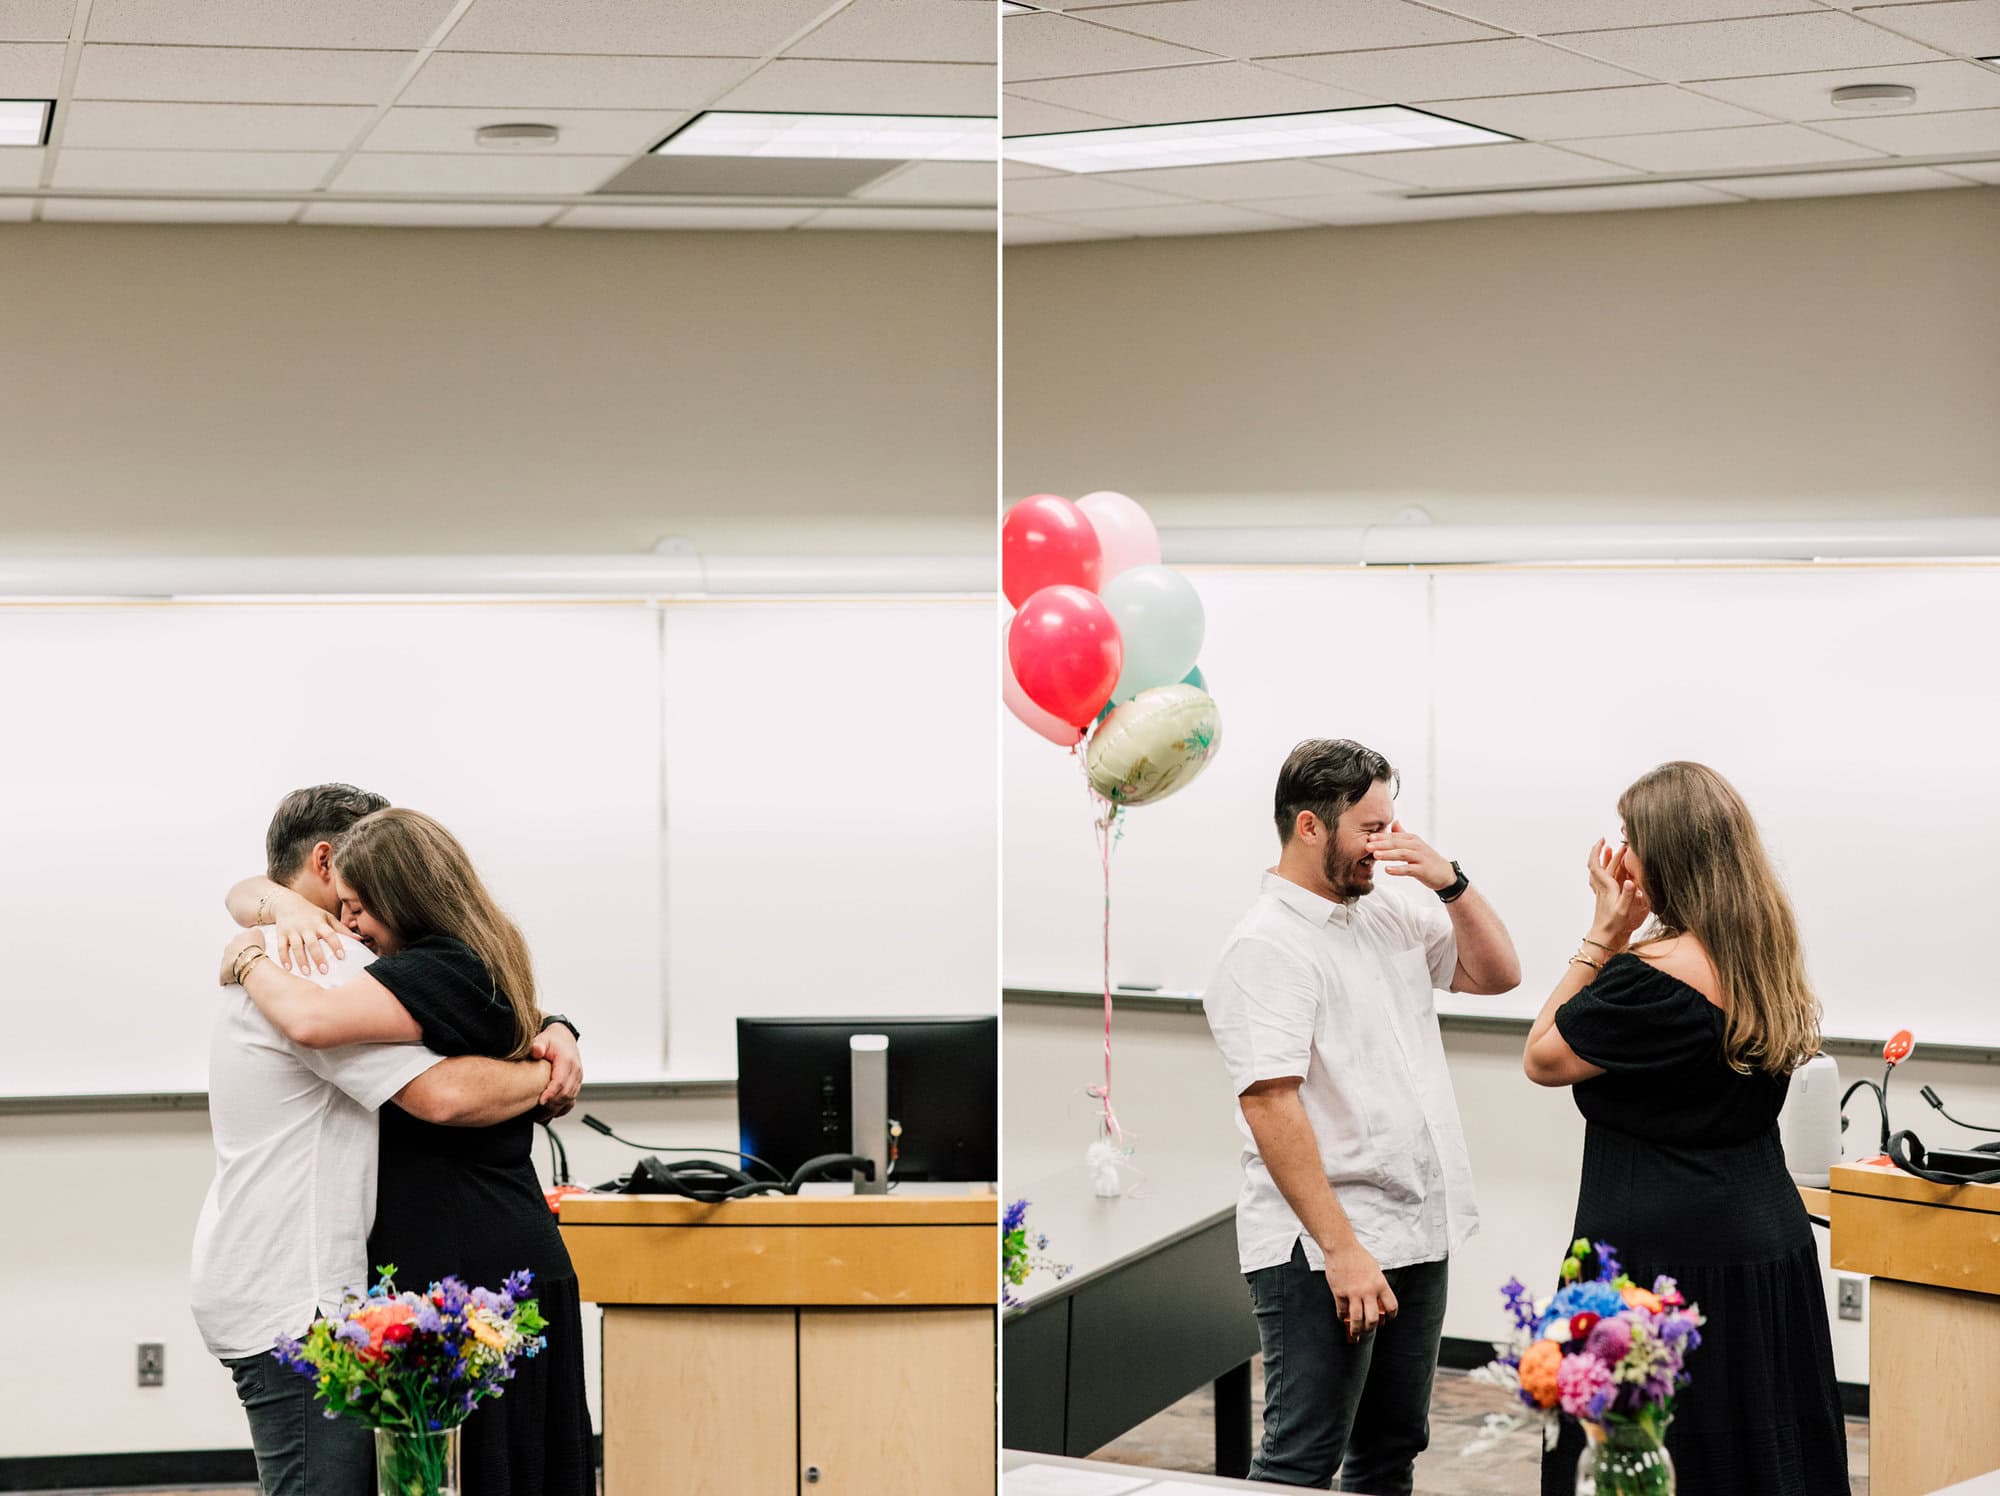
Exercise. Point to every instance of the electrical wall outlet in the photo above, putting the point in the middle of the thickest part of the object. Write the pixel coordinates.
(152, 1364)
(1850, 1298)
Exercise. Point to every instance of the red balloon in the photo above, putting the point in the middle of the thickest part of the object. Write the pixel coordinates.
(1047, 541)
(1066, 652)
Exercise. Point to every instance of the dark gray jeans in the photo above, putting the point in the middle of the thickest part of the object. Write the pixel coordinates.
(1360, 1410)
(300, 1451)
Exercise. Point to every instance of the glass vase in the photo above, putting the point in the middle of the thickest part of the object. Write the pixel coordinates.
(408, 1464)
(1625, 1459)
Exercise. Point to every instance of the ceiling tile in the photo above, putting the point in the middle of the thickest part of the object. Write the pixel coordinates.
(584, 132)
(381, 171)
(683, 218)
(1623, 198)
(1541, 17)
(1049, 46)
(238, 75)
(1067, 194)
(213, 127)
(1463, 69)
(1924, 134)
(618, 28)
(1968, 26)
(1028, 117)
(1596, 111)
(1385, 208)
(1699, 150)
(1269, 28)
(485, 80)
(1243, 180)
(1841, 183)
(21, 167)
(163, 210)
(36, 20)
(968, 182)
(1478, 166)
(1186, 218)
(30, 70)
(908, 220)
(1020, 229)
(1736, 49)
(430, 215)
(1020, 171)
(1220, 90)
(896, 31)
(964, 88)
(1804, 96)
(364, 25)
(194, 171)
(1979, 171)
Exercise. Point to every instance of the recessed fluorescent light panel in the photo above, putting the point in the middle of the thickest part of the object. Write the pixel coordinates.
(23, 121)
(1269, 137)
(852, 137)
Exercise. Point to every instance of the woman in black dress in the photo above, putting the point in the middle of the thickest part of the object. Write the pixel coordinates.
(1680, 1048)
(460, 1201)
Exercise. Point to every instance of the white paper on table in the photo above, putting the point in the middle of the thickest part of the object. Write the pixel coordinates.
(1179, 1488)
(1054, 1480)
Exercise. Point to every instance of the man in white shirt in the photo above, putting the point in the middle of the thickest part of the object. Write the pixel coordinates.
(1356, 1184)
(284, 1229)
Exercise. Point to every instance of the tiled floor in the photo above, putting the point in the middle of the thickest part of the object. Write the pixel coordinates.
(1459, 1462)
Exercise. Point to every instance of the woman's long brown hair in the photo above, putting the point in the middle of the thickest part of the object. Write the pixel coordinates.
(1707, 875)
(413, 875)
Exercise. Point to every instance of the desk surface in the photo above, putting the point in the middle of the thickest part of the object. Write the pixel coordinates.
(1110, 1479)
(1887, 1182)
(961, 1206)
(1095, 1236)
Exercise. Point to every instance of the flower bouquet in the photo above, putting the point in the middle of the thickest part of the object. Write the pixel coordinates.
(413, 1367)
(1015, 1261)
(1609, 1354)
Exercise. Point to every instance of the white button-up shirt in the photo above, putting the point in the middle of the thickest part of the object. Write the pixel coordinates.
(1342, 996)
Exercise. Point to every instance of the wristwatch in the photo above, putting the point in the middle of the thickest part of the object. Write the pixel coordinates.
(574, 1032)
(1446, 895)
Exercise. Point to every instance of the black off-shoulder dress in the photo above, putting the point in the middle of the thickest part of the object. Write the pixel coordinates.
(1683, 1173)
(465, 1201)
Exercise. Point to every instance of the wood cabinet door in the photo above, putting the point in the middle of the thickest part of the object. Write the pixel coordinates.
(897, 1402)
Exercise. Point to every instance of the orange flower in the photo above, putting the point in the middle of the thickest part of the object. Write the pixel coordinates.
(484, 1332)
(1642, 1298)
(1540, 1364)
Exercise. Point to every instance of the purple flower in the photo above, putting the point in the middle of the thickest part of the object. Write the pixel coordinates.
(352, 1332)
(1015, 1214)
(428, 1319)
(1520, 1305)
(1610, 1339)
(1607, 1261)
(516, 1286)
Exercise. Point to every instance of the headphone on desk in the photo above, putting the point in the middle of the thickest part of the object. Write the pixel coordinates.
(1945, 1165)
(711, 1182)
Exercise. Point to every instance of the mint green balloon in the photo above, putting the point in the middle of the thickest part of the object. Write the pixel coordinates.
(1161, 622)
(1195, 678)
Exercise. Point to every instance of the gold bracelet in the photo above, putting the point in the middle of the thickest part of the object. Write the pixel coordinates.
(1600, 945)
(248, 957)
(1581, 958)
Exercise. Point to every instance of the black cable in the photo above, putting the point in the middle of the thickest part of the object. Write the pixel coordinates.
(558, 1157)
(1935, 1100)
(1881, 1103)
(597, 1126)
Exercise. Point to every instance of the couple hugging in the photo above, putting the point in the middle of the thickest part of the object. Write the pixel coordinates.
(1678, 1042)
(376, 1070)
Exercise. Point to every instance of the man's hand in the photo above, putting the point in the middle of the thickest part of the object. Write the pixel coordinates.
(301, 925)
(1404, 854)
(236, 947)
(557, 1045)
(1361, 1295)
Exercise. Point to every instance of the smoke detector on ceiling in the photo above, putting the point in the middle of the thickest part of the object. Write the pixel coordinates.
(516, 137)
(1874, 98)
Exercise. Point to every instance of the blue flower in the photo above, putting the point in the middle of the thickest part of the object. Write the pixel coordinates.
(1607, 1261)
(1600, 1299)
(517, 1284)
(1016, 1213)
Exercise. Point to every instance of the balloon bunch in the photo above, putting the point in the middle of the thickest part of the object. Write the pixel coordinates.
(1104, 643)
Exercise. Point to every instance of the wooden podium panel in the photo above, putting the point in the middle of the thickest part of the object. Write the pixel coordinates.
(674, 1418)
(897, 1404)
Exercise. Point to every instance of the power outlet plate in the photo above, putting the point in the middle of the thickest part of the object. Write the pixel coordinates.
(152, 1364)
(1850, 1298)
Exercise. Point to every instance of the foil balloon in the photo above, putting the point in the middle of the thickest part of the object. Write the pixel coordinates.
(1153, 745)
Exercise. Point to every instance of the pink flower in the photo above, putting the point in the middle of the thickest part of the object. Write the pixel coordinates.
(1584, 1384)
(1610, 1339)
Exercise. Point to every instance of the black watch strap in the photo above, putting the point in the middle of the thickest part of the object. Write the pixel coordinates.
(575, 1032)
(1447, 895)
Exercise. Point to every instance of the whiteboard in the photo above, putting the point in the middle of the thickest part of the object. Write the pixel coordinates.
(1850, 705)
(143, 747)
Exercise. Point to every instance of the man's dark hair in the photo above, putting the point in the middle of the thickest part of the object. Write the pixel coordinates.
(1325, 776)
(305, 818)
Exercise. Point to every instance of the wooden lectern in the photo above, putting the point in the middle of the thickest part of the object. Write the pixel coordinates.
(1934, 1324)
(815, 1345)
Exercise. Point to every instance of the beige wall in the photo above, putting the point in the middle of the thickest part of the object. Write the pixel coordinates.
(203, 390)
(1831, 358)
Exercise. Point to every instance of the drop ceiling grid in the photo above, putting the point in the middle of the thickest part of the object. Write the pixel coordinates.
(374, 95)
(1631, 76)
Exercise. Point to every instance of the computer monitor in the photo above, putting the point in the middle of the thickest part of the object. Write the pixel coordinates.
(792, 1092)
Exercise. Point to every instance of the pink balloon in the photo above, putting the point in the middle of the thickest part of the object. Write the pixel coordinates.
(1048, 724)
(1066, 652)
(1045, 542)
(1125, 533)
